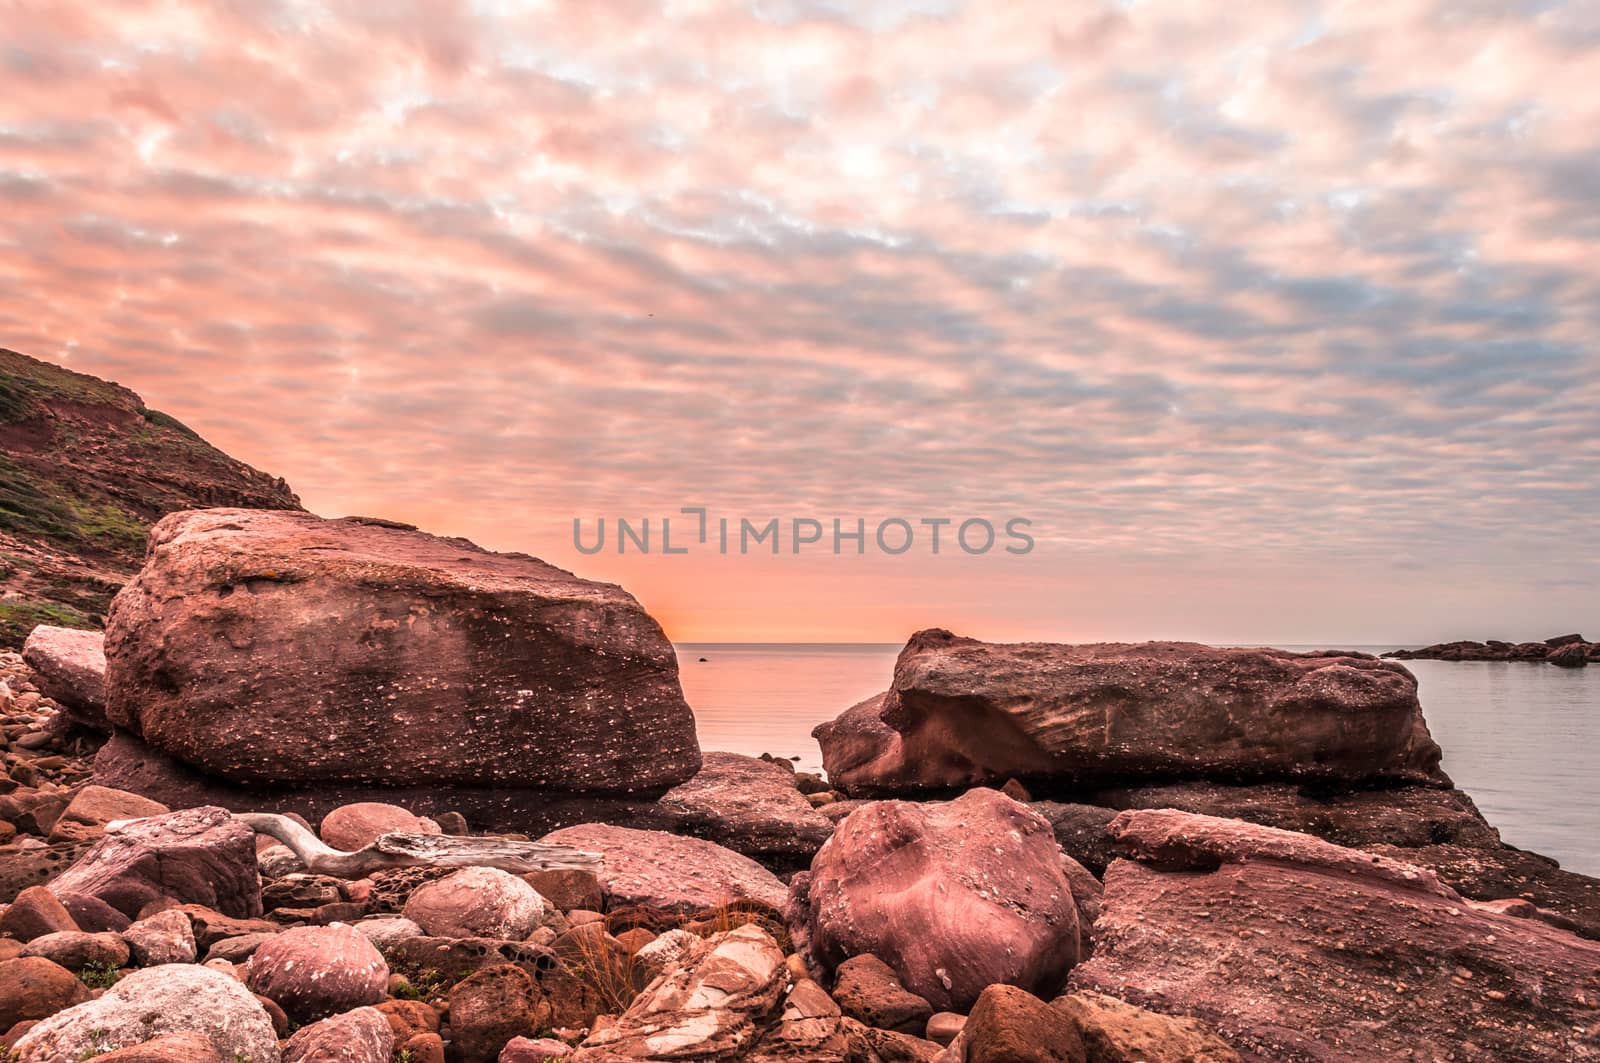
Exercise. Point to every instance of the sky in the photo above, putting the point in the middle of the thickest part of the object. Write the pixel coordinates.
(1279, 326)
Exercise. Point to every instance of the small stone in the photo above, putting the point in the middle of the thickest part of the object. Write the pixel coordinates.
(943, 1026)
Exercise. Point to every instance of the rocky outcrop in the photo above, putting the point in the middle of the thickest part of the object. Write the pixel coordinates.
(954, 896)
(258, 646)
(476, 902)
(312, 972)
(178, 998)
(715, 1002)
(71, 665)
(962, 712)
(1297, 950)
(748, 805)
(1567, 651)
(199, 855)
(654, 869)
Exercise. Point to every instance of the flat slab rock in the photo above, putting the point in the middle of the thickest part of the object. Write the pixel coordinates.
(746, 804)
(263, 645)
(71, 665)
(654, 869)
(1300, 951)
(962, 712)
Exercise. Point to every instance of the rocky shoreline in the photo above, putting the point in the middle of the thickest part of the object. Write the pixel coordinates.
(1565, 651)
(343, 791)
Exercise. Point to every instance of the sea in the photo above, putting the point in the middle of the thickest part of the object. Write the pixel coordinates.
(1519, 737)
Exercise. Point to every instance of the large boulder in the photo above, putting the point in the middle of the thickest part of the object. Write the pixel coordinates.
(748, 805)
(312, 972)
(257, 645)
(197, 855)
(176, 998)
(1296, 949)
(954, 896)
(655, 869)
(713, 1003)
(962, 712)
(71, 665)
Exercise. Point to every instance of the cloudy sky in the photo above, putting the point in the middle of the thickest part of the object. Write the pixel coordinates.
(1280, 326)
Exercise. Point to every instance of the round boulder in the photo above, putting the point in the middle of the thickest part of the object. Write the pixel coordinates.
(316, 971)
(476, 902)
(359, 1036)
(35, 988)
(356, 826)
(953, 896)
(174, 998)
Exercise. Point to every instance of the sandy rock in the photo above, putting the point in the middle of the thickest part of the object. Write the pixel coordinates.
(199, 855)
(316, 971)
(430, 661)
(476, 902)
(407, 1018)
(567, 890)
(867, 1044)
(34, 913)
(71, 666)
(718, 998)
(359, 1036)
(388, 931)
(748, 805)
(665, 951)
(147, 1004)
(943, 1026)
(655, 869)
(91, 808)
(867, 990)
(809, 1029)
(169, 1048)
(962, 712)
(526, 1050)
(1298, 950)
(166, 937)
(355, 826)
(424, 1048)
(492, 1006)
(75, 950)
(1114, 1031)
(954, 896)
(1009, 1025)
(36, 988)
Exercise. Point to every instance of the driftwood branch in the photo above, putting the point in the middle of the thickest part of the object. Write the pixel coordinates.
(401, 849)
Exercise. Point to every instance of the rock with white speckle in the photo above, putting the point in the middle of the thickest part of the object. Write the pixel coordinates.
(312, 972)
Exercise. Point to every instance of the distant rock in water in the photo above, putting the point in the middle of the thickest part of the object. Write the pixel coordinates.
(1566, 651)
(279, 648)
(962, 712)
(85, 469)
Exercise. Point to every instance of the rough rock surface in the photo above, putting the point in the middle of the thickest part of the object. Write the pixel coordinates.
(1114, 1031)
(492, 1006)
(1010, 1025)
(312, 972)
(200, 855)
(166, 937)
(962, 712)
(355, 826)
(748, 805)
(36, 988)
(1297, 950)
(168, 1048)
(359, 1036)
(75, 950)
(91, 808)
(659, 870)
(71, 665)
(714, 1003)
(256, 644)
(176, 998)
(954, 896)
(34, 913)
(866, 989)
(476, 902)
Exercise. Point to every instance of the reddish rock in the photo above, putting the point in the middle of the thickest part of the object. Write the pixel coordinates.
(199, 855)
(476, 902)
(316, 971)
(211, 927)
(166, 937)
(71, 666)
(1297, 950)
(489, 1008)
(359, 1036)
(748, 805)
(258, 645)
(34, 913)
(407, 1018)
(867, 989)
(1114, 1031)
(809, 1029)
(91, 808)
(962, 712)
(654, 869)
(1010, 1025)
(424, 1048)
(1572, 655)
(716, 1000)
(356, 826)
(75, 950)
(526, 1050)
(35, 988)
(954, 896)
(566, 890)
(93, 914)
(169, 1048)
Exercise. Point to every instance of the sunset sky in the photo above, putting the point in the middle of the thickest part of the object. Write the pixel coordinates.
(1279, 321)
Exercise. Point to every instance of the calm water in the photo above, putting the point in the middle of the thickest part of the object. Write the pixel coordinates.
(1520, 738)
